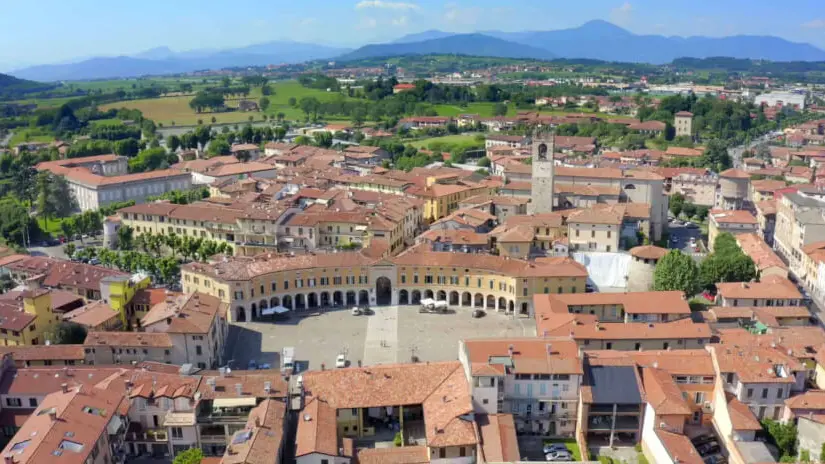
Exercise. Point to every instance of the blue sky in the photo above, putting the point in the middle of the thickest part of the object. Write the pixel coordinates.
(48, 31)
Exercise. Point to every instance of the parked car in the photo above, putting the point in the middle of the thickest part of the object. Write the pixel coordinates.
(356, 311)
(94, 261)
(702, 439)
(692, 225)
(252, 365)
(708, 448)
(553, 447)
(558, 456)
(341, 361)
(715, 459)
(477, 313)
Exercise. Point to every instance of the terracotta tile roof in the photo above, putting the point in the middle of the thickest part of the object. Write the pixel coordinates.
(238, 169)
(606, 173)
(732, 217)
(201, 165)
(802, 342)
(755, 363)
(469, 216)
(552, 220)
(530, 356)
(191, 314)
(152, 296)
(317, 431)
(761, 253)
(92, 315)
(679, 447)
(771, 287)
(238, 268)
(586, 190)
(498, 438)
(735, 174)
(683, 152)
(696, 362)
(741, 416)
(440, 388)
(766, 207)
(649, 252)
(44, 380)
(767, 185)
(811, 399)
(253, 384)
(455, 236)
(417, 256)
(403, 455)
(262, 439)
(667, 302)
(45, 352)
(514, 233)
(663, 394)
(130, 339)
(82, 417)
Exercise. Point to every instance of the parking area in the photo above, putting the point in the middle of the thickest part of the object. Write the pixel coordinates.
(390, 334)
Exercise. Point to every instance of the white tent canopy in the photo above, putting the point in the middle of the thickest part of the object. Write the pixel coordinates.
(274, 310)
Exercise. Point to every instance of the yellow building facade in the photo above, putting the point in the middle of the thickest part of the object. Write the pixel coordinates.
(251, 285)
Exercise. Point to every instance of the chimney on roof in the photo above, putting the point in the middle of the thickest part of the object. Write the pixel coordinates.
(64, 387)
(53, 414)
(239, 389)
(510, 350)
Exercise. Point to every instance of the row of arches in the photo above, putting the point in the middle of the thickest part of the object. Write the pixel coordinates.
(302, 301)
(455, 298)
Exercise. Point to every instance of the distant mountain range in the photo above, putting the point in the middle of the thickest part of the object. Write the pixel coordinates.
(599, 40)
(163, 60)
(458, 44)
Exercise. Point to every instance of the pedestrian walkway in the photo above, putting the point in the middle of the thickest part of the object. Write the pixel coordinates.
(381, 342)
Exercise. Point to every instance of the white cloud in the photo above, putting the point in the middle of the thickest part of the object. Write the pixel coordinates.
(815, 24)
(401, 21)
(621, 15)
(456, 15)
(367, 23)
(386, 5)
(307, 21)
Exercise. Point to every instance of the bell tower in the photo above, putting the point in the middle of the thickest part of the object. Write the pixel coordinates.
(541, 195)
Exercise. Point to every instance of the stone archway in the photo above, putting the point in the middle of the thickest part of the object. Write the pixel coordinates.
(312, 300)
(300, 301)
(525, 308)
(274, 302)
(363, 297)
(254, 310)
(478, 300)
(286, 301)
(453, 298)
(491, 302)
(403, 297)
(240, 314)
(324, 298)
(338, 298)
(511, 306)
(502, 304)
(441, 295)
(429, 294)
(263, 304)
(466, 299)
(383, 291)
(416, 297)
(351, 298)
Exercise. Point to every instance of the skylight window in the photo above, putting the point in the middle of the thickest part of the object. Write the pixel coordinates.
(71, 446)
(20, 446)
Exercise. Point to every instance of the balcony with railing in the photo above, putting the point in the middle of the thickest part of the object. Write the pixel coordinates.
(224, 411)
(137, 433)
(213, 433)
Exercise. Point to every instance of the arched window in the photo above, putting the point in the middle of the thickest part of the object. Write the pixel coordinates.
(630, 187)
(543, 151)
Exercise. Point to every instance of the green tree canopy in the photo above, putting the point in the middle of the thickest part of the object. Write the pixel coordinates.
(190, 456)
(676, 271)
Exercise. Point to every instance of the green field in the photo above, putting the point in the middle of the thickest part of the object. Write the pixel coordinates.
(481, 109)
(166, 110)
(28, 135)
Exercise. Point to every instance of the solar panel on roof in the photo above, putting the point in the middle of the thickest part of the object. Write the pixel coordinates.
(242, 437)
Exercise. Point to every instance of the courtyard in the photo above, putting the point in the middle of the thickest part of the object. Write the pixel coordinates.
(391, 334)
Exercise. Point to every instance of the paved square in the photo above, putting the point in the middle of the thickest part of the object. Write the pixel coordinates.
(391, 334)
